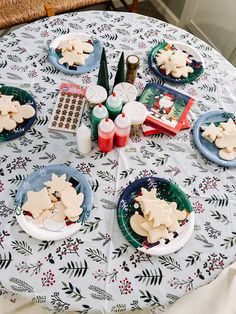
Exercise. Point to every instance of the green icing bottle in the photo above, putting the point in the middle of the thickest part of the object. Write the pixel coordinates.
(114, 105)
(99, 112)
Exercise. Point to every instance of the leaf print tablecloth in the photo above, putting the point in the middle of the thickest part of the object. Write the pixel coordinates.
(97, 269)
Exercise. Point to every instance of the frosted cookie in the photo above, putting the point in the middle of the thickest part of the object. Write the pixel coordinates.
(57, 184)
(211, 132)
(227, 141)
(72, 58)
(163, 56)
(37, 202)
(182, 72)
(135, 222)
(178, 58)
(7, 123)
(228, 126)
(72, 202)
(65, 45)
(224, 154)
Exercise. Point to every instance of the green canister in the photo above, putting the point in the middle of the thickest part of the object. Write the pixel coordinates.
(99, 112)
(114, 105)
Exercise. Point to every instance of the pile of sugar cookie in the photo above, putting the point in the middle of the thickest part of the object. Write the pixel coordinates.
(11, 112)
(159, 219)
(58, 200)
(223, 136)
(74, 51)
(174, 62)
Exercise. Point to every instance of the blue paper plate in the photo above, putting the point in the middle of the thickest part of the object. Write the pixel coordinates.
(24, 98)
(91, 63)
(208, 149)
(197, 62)
(35, 182)
(166, 190)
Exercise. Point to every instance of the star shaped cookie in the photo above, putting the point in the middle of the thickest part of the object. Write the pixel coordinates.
(228, 126)
(37, 202)
(163, 56)
(228, 141)
(211, 132)
(71, 58)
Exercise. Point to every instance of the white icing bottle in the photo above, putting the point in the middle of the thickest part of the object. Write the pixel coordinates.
(84, 141)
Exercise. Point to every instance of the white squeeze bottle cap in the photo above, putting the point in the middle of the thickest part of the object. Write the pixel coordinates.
(122, 121)
(100, 111)
(106, 126)
(114, 101)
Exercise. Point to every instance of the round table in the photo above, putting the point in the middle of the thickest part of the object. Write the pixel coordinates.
(97, 269)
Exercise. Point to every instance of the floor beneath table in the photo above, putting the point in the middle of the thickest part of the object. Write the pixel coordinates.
(144, 7)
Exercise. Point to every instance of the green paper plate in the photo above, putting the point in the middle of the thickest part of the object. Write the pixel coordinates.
(23, 97)
(197, 62)
(166, 190)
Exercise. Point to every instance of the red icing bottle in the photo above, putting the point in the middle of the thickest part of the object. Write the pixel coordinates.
(106, 132)
(122, 130)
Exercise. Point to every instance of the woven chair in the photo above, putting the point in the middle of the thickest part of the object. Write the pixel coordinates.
(13, 12)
